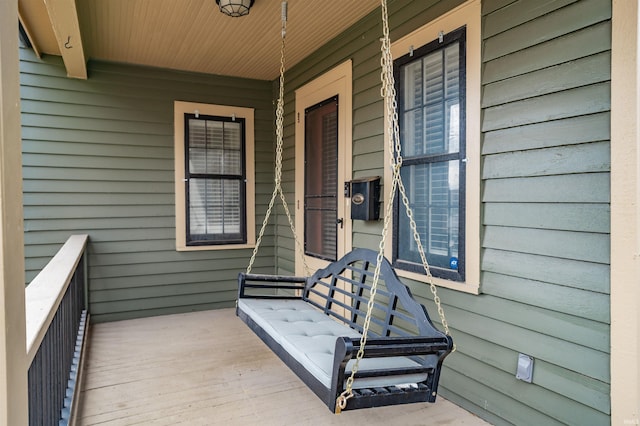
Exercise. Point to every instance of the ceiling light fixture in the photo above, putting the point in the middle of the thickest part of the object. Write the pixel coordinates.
(235, 8)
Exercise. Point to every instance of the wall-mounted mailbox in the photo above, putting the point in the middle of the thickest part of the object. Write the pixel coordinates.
(365, 198)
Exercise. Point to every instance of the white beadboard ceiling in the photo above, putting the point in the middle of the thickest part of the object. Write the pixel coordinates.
(192, 35)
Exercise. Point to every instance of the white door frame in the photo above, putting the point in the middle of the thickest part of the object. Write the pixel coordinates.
(337, 81)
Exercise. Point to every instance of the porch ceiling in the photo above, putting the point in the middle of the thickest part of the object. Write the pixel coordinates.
(192, 35)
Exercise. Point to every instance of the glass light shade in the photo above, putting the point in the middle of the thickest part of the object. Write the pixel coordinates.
(235, 8)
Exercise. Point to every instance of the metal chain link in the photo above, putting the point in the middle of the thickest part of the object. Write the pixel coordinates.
(388, 93)
(277, 190)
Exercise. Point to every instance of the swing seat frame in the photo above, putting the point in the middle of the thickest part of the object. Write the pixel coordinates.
(314, 325)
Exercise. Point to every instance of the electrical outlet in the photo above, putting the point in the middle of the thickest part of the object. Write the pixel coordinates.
(525, 368)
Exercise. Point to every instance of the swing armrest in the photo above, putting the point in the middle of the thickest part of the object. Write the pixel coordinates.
(348, 347)
(427, 352)
(394, 346)
(261, 286)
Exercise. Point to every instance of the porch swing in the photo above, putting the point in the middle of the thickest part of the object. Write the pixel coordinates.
(352, 332)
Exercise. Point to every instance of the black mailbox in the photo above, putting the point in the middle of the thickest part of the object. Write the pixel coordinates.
(365, 198)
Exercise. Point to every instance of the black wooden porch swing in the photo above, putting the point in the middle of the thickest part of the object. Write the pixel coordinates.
(351, 331)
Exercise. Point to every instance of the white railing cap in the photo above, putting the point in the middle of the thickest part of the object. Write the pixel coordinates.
(44, 293)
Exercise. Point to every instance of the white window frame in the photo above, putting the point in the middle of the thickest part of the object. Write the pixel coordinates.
(180, 108)
(469, 15)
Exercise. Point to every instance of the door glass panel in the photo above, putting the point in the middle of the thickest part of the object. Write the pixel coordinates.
(321, 180)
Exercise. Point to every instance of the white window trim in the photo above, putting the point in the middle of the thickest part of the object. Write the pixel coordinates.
(469, 15)
(181, 108)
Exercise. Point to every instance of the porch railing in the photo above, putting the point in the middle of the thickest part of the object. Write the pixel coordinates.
(56, 317)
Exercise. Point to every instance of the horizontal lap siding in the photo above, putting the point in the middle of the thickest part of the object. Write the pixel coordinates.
(545, 203)
(546, 163)
(98, 158)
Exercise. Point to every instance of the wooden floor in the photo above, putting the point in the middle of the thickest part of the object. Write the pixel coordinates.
(208, 368)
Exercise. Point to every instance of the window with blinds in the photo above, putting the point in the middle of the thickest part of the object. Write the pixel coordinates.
(215, 180)
(431, 116)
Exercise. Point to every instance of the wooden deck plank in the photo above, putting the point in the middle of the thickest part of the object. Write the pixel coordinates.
(208, 368)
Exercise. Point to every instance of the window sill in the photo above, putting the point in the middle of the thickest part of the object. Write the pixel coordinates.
(215, 247)
(465, 287)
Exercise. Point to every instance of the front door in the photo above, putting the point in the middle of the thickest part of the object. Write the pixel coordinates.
(323, 165)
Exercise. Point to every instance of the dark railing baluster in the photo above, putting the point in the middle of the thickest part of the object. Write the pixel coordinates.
(53, 370)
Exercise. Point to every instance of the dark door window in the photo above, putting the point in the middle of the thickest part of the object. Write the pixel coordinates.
(321, 180)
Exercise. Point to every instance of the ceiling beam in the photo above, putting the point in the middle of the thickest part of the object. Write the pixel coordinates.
(64, 21)
(27, 31)
(35, 21)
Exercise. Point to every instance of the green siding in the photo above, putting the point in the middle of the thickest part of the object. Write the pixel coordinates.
(558, 21)
(546, 162)
(545, 203)
(98, 159)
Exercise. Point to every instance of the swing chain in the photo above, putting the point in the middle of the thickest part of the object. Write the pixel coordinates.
(277, 190)
(388, 93)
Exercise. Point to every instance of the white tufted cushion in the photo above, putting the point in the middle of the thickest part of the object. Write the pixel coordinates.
(309, 336)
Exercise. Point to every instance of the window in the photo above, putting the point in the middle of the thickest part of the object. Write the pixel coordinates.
(214, 177)
(437, 73)
(215, 183)
(430, 91)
